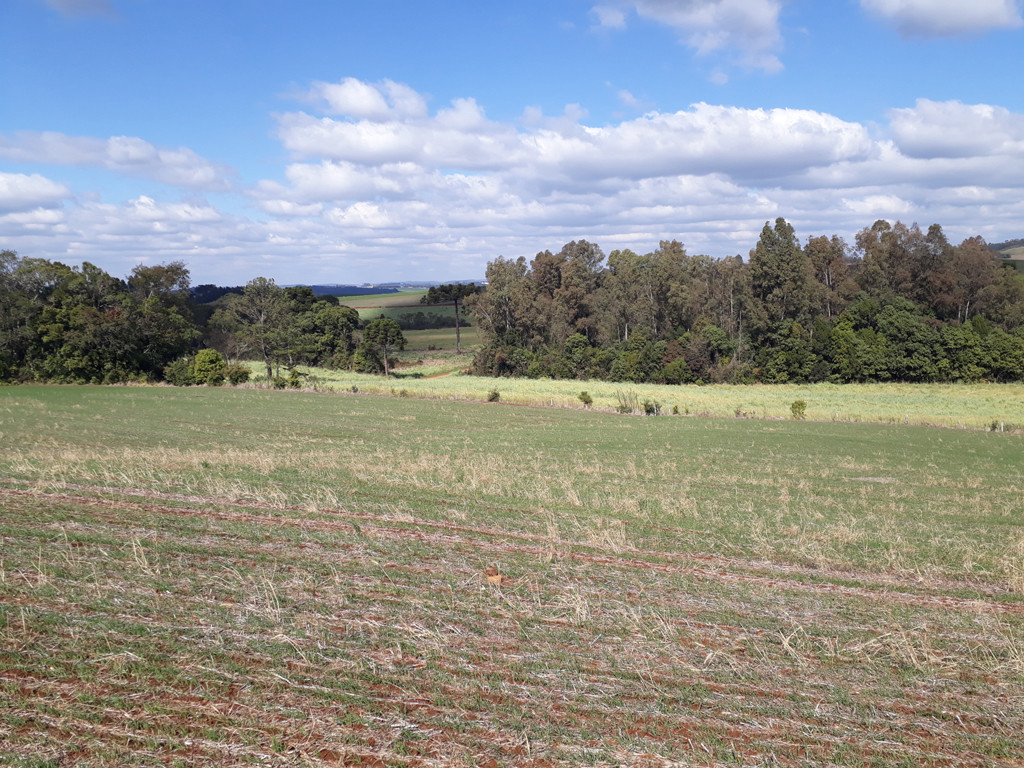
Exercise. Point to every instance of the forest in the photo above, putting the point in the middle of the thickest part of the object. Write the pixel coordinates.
(900, 304)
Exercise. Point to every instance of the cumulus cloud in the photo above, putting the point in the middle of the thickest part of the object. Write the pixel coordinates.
(380, 101)
(120, 154)
(946, 18)
(747, 30)
(750, 144)
(952, 129)
(452, 188)
(21, 192)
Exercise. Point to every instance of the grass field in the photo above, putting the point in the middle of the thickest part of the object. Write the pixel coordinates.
(230, 577)
(394, 305)
(972, 406)
(440, 339)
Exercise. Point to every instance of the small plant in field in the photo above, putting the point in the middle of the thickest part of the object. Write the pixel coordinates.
(294, 378)
(586, 399)
(354, 390)
(629, 402)
(798, 409)
(279, 382)
(652, 407)
(493, 396)
(675, 410)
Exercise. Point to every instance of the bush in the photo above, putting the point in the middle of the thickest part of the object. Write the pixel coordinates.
(237, 374)
(179, 373)
(586, 399)
(208, 368)
(652, 407)
(294, 378)
(798, 409)
(279, 382)
(493, 396)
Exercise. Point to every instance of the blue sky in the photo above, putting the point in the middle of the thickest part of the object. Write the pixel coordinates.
(335, 141)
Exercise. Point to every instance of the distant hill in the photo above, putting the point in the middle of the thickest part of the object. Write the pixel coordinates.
(1011, 251)
(377, 288)
(1007, 246)
(350, 290)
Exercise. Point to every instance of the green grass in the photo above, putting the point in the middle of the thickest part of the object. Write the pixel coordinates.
(441, 339)
(383, 299)
(394, 305)
(970, 406)
(218, 576)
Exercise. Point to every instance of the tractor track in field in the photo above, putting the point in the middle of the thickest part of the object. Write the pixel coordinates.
(732, 570)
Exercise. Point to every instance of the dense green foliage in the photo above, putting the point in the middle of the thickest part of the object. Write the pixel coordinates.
(381, 337)
(901, 305)
(80, 324)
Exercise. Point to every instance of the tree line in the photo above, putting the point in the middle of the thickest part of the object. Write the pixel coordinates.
(81, 325)
(901, 304)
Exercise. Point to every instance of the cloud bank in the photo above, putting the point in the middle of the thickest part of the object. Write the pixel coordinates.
(377, 185)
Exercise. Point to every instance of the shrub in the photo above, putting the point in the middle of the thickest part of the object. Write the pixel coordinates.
(237, 374)
(798, 409)
(493, 396)
(208, 368)
(279, 382)
(586, 399)
(652, 407)
(294, 378)
(179, 373)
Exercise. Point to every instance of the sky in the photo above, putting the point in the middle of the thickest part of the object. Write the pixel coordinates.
(331, 141)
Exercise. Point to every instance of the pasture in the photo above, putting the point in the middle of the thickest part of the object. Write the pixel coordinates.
(997, 407)
(239, 576)
(394, 305)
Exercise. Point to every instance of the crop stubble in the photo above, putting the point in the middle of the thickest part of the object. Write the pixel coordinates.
(424, 615)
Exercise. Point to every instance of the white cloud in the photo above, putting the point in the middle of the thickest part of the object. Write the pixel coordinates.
(368, 101)
(21, 192)
(747, 30)
(367, 193)
(951, 129)
(121, 154)
(946, 18)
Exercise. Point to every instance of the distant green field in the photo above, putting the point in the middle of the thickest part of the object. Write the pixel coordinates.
(217, 576)
(440, 339)
(972, 406)
(394, 305)
(383, 299)
(1016, 257)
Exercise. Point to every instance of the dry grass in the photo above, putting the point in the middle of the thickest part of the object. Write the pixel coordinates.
(235, 578)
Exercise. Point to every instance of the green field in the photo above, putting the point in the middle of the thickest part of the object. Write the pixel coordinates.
(440, 339)
(226, 576)
(998, 407)
(394, 305)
